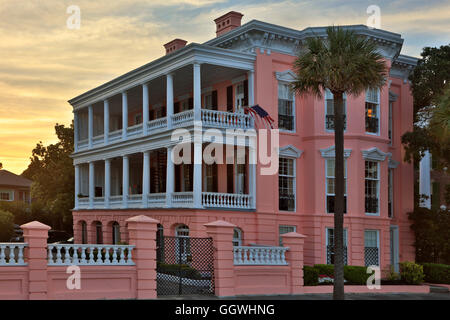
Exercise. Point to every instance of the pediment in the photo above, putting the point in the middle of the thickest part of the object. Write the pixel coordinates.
(330, 152)
(287, 76)
(290, 151)
(374, 154)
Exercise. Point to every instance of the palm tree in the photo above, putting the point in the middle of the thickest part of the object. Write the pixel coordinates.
(342, 62)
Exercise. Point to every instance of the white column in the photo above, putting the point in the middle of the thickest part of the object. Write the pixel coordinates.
(90, 125)
(252, 176)
(251, 88)
(75, 131)
(91, 184)
(145, 106)
(170, 181)
(125, 181)
(197, 93)
(124, 115)
(146, 179)
(197, 174)
(77, 184)
(107, 181)
(106, 120)
(169, 99)
(425, 179)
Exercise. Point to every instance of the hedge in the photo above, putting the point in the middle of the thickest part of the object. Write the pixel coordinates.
(179, 269)
(411, 273)
(356, 275)
(436, 273)
(310, 276)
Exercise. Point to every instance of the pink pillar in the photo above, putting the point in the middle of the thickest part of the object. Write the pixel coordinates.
(222, 234)
(76, 231)
(35, 235)
(142, 234)
(294, 256)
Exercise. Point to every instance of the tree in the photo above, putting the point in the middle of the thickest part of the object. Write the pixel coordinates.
(343, 63)
(6, 225)
(51, 170)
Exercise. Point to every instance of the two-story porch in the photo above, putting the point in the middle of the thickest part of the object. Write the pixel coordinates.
(123, 134)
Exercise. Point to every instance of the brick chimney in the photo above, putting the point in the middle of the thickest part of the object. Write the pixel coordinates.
(228, 22)
(174, 45)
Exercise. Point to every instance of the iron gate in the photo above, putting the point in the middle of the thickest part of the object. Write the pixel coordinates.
(185, 266)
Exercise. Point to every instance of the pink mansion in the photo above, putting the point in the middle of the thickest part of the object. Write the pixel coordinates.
(123, 136)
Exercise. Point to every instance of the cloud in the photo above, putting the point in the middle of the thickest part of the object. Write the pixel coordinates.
(43, 64)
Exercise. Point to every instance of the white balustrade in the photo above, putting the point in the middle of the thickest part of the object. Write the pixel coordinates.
(156, 200)
(182, 199)
(157, 124)
(115, 136)
(223, 119)
(181, 117)
(97, 140)
(11, 254)
(83, 144)
(226, 200)
(259, 255)
(89, 254)
(135, 199)
(134, 130)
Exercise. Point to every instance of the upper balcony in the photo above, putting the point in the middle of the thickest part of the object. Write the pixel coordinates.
(195, 84)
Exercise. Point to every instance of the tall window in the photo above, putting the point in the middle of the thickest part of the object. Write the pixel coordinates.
(371, 187)
(286, 107)
(183, 248)
(115, 233)
(330, 246)
(286, 184)
(329, 110)
(99, 232)
(372, 111)
(285, 229)
(371, 248)
(390, 123)
(84, 234)
(391, 193)
(330, 185)
(237, 237)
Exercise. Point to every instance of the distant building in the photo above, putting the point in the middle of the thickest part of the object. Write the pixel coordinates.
(14, 187)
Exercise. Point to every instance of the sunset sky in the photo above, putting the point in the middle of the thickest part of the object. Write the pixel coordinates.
(43, 63)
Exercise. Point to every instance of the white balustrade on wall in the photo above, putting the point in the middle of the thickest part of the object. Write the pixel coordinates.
(157, 124)
(156, 200)
(182, 199)
(261, 255)
(134, 130)
(115, 136)
(226, 200)
(97, 140)
(89, 254)
(223, 119)
(181, 117)
(11, 254)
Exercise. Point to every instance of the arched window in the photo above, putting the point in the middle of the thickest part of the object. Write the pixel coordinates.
(84, 234)
(183, 250)
(98, 232)
(115, 233)
(237, 237)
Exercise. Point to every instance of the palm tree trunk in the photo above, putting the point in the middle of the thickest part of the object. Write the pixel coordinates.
(338, 289)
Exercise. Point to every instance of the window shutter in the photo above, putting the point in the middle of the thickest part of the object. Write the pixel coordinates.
(178, 178)
(230, 175)
(230, 98)
(191, 103)
(214, 100)
(245, 92)
(176, 107)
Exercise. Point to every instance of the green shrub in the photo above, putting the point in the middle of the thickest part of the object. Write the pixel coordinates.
(325, 269)
(411, 272)
(436, 273)
(183, 270)
(310, 276)
(6, 225)
(356, 275)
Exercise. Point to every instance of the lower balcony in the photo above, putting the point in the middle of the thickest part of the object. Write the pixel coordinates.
(171, 200)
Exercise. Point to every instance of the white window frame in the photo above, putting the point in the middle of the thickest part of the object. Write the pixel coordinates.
(180, 232)
(294, 121)
(329, 96)
(205, 97)
(378, 112)
(8, 191)
(293, 229)
(294, 188)
(237, 241)
(136, 117)
(239, 98)
(378, 187)
(378, 243)
(334, 177)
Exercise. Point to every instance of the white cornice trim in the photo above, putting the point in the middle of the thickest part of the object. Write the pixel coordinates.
(290, 151)
(374, 154)
(330, 152)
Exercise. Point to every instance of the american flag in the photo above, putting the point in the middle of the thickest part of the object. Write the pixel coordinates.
(256, 110)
